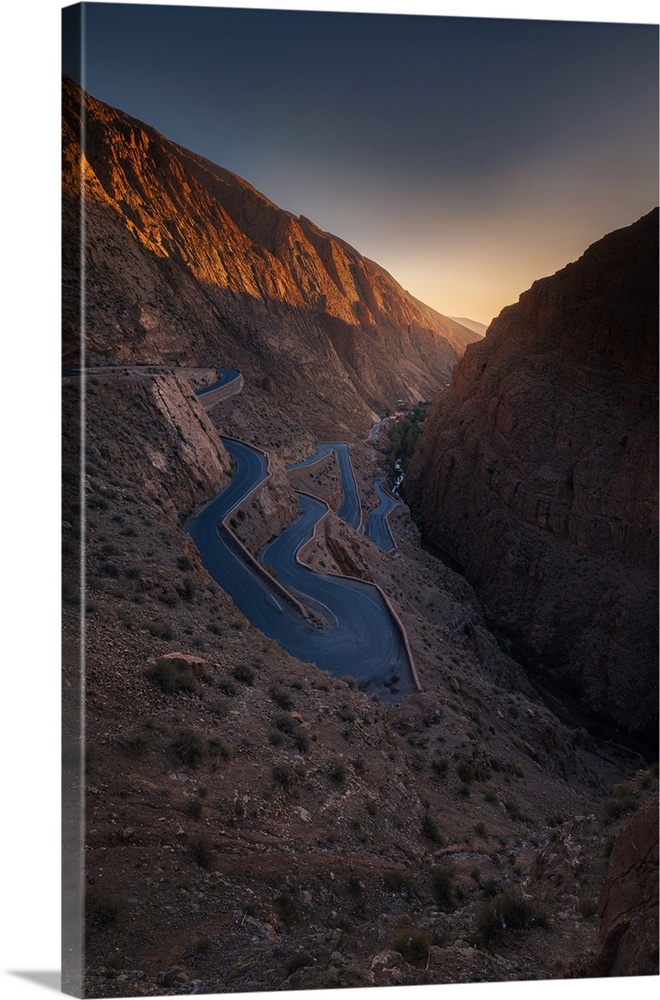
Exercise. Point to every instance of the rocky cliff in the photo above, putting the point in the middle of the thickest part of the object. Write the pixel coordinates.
(628, 904)
(537, 472)
(186, 263)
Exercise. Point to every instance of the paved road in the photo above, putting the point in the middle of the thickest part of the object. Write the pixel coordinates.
(378, 530)
(350, 510)
(226, 375)
(361, 640)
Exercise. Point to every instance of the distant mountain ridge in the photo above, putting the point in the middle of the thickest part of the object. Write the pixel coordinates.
(188, 263)
(471, 324)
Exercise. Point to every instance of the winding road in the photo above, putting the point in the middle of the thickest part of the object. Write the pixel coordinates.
(226, 375)
(378, 529)
(351, 509)
(362, 639)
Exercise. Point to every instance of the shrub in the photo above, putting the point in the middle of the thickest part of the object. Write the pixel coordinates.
(286, 909)
(465, 772)
(430, 829)
(608, 846)
(509, 910)
(188, 747)
(442, 877)
(220, 749)
(338, 772)
(394, 881)
(411, 942)
(227, 686)
(287, 724)
(172, 677)
(193, 807)
(160, 630)
(281, 696)
(440, 766)
(201, 851)
(243, 673)
(284, 775)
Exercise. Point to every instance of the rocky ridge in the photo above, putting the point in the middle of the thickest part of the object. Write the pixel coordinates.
(197, 267)
(537, 472)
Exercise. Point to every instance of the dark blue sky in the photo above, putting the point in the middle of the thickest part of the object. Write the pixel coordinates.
(469, 156)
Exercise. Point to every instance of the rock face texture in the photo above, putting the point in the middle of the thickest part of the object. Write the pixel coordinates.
(538, 473)
(628, 905)
(186, 263)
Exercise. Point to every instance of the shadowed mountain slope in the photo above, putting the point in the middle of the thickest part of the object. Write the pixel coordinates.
(538, 472)
(186, 263)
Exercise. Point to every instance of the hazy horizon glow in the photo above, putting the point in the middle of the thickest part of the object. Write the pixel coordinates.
(467, 156)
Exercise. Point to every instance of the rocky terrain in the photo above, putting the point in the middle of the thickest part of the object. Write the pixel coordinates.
(189, 264)
(254, 823)
(251, 822)
(537, 472)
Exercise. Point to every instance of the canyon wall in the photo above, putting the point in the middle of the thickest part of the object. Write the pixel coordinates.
(538, 473)
(186, 263)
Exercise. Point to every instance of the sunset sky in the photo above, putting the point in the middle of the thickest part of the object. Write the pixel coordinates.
(468, 156)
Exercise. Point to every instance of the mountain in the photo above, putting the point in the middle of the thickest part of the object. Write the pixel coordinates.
(538, 473)
(194, 266)
(471, 324)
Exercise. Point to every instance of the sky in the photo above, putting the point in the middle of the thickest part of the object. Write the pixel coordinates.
(468, 156)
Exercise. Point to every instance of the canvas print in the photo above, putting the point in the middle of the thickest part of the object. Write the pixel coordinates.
(359, 499)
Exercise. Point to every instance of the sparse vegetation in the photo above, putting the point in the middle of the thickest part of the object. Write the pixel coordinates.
(200, 849)
(172, 677)
(188, 747)
(243, 673)
(508, 910)
(412, 942)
